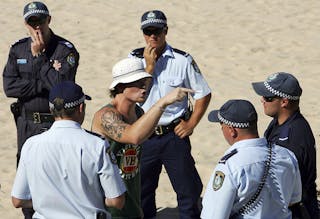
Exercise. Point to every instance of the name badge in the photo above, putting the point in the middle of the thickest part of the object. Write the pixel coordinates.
(21, 61)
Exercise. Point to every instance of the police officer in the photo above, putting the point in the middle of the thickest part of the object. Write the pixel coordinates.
(126, 126)
(253, 179)
(34, 65)
(280, 98)
(66, 170)
(170, 145)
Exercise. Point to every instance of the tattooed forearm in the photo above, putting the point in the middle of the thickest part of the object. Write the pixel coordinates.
(113, 124)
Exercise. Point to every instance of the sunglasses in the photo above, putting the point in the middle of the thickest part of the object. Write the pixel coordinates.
(269, 99)
(154, 31)
(36, 21)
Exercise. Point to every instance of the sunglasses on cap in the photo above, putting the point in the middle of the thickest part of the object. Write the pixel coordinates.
(36, 21)
(153, 31)
(269, 99)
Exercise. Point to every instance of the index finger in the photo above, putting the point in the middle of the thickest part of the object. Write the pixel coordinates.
(187, 90)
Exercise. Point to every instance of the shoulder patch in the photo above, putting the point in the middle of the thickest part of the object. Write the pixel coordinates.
(137, 52)
(227, 156)
(218, 180)
(66, 43)
(71, 59)
(195, 66)
(95, 134)
(20, 41)
(111, 155)
(180, 52)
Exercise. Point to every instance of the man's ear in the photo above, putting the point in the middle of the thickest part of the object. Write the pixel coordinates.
(233, 131)
(82, 107)
(166, 30)
(49, 19)
(284, 102)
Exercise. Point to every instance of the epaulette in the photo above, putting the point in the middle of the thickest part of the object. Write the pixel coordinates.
(95, 134)
(20, 41)
(66, 43)
(138, 52)
(181, 52)
(227, 156)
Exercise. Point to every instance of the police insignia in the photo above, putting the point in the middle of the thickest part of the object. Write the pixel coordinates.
(32, 6)
(272, 77)
(71, 59)
(218, 180)
(195, 66)
(112, 156)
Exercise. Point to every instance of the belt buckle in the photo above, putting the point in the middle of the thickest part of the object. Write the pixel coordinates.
(36, 117)
(158, 130)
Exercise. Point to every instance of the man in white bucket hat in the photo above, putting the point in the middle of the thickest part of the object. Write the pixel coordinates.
(126, 126)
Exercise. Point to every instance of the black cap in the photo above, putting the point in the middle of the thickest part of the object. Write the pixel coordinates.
(279, 84)
(71, 94)
(153, 18)
(236, 113)
(35, 9)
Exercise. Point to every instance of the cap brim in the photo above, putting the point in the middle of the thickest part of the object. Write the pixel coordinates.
(129, 79)
(213, 116)
(158, 25)
(35, 15)
(261, 90)
(87, 97)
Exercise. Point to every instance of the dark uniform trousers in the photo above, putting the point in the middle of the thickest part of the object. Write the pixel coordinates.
(175, 154)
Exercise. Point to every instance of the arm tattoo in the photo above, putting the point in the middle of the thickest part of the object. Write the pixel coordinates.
(113, 124)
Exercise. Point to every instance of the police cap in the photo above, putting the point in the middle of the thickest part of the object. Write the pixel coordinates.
(235, 113)
(35, 9)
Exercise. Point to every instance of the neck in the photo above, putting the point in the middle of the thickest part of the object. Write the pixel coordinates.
(284, 115)
(160, 50)
(47, 37)
(125, 107)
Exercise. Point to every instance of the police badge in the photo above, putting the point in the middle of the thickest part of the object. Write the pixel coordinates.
(195, 66)
(112, 156)
(218, 180)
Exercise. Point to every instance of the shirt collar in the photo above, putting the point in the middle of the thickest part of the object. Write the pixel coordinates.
(255, 142)
(65, 124)
(168, 51)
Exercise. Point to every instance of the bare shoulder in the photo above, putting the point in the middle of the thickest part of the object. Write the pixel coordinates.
(110, 122)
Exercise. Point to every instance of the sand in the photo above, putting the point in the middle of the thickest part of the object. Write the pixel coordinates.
(233, 42)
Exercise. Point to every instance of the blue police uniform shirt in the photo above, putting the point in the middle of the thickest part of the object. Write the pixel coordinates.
(67, 173)
(236, 180)
(173, 69)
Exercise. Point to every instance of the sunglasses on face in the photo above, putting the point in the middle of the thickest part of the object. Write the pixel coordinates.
(36, 21)
(154, 31)
(269, 99)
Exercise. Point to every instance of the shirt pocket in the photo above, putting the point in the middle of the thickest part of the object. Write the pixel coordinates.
(25, 70)
(174, 82)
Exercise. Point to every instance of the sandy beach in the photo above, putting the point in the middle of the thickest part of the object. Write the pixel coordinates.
(233, 42)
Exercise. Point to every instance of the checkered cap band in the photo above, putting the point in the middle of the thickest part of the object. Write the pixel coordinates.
(71, 104)
(233, 124)
(36, 11)
(148, 21)
(279, 93)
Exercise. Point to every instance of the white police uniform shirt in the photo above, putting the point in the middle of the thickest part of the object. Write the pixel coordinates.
(175, 69)
(236, 179)
(67, 173)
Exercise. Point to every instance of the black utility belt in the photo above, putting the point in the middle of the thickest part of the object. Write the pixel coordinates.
(37, 117)
(165, 129)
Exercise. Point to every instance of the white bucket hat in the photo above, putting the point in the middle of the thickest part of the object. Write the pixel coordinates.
(128, 70)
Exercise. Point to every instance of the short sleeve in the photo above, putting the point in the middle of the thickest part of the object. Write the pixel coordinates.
(20, 187)
(219, 195)
(196, 80)
(110, 178)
